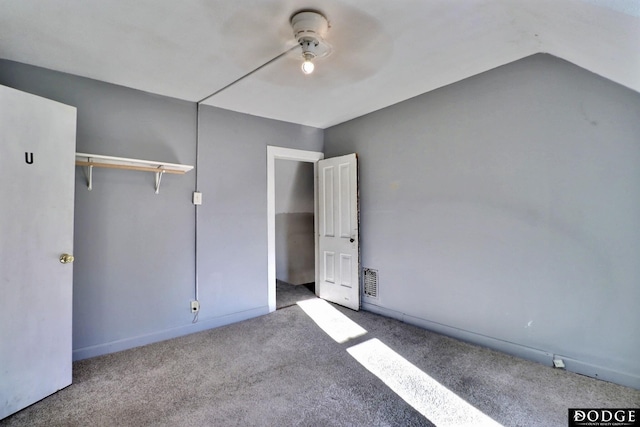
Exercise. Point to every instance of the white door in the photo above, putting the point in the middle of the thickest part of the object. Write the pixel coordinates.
(37, 167)
(338, 243)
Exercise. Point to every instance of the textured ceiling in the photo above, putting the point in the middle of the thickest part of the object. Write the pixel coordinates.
(383, 51)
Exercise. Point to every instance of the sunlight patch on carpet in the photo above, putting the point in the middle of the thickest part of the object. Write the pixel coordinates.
(329, 319)
(433, 400)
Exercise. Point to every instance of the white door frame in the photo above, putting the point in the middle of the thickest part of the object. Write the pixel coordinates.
(274, 153)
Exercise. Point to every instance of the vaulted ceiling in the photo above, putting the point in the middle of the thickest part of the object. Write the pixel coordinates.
(383, 51)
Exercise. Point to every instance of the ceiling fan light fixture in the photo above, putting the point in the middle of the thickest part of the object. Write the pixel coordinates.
(309, 29)
(308, 46)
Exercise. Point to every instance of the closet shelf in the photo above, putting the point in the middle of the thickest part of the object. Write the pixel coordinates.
(99, 161)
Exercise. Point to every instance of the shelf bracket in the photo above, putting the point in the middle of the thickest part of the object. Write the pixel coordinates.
(158, 179)
(89, 174)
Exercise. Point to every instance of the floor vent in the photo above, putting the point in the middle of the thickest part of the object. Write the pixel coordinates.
(370, 283)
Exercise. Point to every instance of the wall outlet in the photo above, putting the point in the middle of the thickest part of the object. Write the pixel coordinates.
(197, 198)
(195, 306)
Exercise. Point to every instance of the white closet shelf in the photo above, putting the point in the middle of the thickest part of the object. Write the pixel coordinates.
(159, 168)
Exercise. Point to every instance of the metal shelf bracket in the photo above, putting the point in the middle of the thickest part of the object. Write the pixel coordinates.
(89, 174)
(158, 179)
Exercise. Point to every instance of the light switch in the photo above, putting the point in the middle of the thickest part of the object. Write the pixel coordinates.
(197, 198)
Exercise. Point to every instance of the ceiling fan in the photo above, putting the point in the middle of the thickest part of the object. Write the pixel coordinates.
(310, 43)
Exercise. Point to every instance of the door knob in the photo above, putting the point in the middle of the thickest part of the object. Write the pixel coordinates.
(352, 240)
(66, 258)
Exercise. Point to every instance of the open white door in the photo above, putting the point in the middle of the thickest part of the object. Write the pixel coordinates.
(37, 163)
(338, 244)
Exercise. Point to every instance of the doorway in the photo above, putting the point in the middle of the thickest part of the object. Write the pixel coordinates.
(295, 243)
(297, 222)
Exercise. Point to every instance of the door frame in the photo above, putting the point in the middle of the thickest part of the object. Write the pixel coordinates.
(280, 153)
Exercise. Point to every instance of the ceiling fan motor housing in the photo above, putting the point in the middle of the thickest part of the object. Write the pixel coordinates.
(310, 29)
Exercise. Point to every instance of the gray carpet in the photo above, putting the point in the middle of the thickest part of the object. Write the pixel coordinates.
(283, 370)
(288, 294)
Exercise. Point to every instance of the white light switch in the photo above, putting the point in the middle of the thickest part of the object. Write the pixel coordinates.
(197, 198)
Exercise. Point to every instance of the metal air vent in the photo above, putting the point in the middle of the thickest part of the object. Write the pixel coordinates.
(370, 282)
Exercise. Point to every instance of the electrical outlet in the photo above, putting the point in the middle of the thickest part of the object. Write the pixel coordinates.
(197, 198)
(195, 306)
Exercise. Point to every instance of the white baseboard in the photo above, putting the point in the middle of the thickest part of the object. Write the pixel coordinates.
(202, 325)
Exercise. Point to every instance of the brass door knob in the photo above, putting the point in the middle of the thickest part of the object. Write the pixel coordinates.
(66, 258)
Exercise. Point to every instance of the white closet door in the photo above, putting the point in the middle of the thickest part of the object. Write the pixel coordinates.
(37, 169)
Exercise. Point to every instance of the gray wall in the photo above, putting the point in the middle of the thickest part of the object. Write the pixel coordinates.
(505, 210)
(134, 273)
(295, 245)
(294, 186)
(233, 219)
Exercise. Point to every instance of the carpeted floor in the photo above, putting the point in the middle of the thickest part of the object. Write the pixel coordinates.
(288, 294)
(283, 369)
